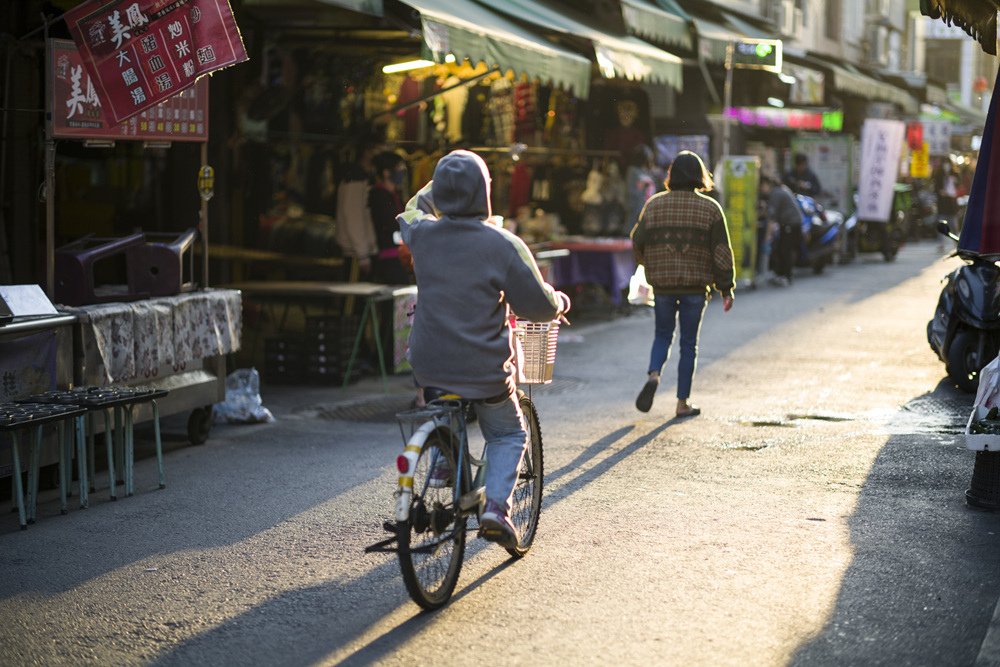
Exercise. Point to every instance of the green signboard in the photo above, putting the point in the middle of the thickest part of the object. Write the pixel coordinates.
(757, 54)
(740, 178)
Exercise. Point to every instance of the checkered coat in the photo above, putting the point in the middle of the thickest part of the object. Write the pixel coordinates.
(682, 240)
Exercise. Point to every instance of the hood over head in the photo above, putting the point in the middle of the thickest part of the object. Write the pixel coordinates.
(462, 185)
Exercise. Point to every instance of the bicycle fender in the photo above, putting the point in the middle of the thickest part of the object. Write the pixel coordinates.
(410, 452)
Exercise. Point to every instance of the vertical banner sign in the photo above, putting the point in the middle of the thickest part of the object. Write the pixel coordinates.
(832, 158)
(920, 162)
(741, 176)
(881, 145)
(140, 52)
(937, 134)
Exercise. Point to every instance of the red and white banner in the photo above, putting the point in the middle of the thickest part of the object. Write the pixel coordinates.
(76, 112)
(140, 52)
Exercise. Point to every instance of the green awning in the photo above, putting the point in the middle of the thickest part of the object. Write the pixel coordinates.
(465, 29)
(715, 37)
(645, 20)
(976, 17)
(373, 7)
(624, 57)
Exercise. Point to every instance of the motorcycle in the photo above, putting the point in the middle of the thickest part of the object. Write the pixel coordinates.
(923, 212)
(965, 331)
(885, 237)
(821, 234)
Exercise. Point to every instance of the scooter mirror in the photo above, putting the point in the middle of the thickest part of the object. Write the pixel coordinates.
(943, 228)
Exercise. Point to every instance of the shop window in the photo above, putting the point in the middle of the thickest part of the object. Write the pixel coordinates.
(834, 16)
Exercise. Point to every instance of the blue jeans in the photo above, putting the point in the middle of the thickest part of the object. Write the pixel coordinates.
(502, 425)
(689, 308)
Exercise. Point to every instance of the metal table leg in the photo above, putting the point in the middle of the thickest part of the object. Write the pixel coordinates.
(81, 460)
(15, 447)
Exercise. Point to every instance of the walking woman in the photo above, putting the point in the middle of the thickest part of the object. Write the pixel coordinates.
(682, 240)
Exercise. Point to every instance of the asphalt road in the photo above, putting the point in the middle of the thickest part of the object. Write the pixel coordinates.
(813, 515)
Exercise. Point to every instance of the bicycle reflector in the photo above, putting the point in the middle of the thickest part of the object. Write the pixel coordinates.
(402, 464)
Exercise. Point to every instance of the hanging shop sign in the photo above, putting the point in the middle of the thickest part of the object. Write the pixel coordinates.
(762, 54)
(937, 134)
(792, 119)
(77, 110)
(881, 145)
(141, 52)
(832, 159)
(667, 146)
(920, 162)
(740, 178)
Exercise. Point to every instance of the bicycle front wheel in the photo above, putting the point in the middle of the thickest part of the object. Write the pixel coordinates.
(432, 540)
(526, 506)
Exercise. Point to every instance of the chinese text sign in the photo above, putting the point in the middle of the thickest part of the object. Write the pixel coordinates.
(881, 145)
(140, 52)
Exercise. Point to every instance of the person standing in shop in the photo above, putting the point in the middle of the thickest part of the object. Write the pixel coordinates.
(682, 241)
(784, 225)
(385, 202)
(640, 181)
(354, 233)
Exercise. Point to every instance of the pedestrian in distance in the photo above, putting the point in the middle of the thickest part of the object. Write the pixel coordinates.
(471, 273)
(682, 241)
(784, 219)
(946, 184)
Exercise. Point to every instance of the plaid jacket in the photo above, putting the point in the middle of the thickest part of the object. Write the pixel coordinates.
(682, 240)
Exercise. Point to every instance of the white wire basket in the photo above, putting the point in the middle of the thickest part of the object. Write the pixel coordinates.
(535, 344)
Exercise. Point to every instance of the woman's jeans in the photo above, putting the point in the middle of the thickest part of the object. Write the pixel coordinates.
(668, 309)
(502, 425)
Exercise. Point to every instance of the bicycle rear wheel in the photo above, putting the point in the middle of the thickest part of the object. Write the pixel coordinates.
(432, 540)
(526, 506)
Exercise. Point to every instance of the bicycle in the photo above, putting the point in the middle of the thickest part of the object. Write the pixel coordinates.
(437, 491)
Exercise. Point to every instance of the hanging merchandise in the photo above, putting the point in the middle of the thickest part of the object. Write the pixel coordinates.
(500, 108)
(454, 101)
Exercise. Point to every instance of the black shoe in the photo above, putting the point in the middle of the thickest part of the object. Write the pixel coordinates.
(645, 399)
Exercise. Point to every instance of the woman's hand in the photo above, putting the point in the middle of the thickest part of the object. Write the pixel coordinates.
(727, 303)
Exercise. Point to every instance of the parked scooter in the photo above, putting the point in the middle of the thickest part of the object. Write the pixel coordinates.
(965, 331)
(876, 236)
(821, 234)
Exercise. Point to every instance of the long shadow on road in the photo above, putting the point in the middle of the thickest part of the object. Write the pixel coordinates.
(924, 578)
(306, 625)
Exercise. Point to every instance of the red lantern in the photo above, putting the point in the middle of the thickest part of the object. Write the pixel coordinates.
(914, 135)
(980, 85)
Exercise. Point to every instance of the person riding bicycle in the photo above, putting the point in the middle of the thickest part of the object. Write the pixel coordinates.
(470, 274)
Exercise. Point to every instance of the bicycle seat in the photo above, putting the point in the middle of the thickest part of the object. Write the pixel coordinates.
(437, 393)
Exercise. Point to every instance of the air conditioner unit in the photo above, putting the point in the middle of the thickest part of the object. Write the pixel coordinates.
(788, 17)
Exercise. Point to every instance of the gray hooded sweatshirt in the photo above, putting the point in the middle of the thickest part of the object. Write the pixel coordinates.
(470, 274)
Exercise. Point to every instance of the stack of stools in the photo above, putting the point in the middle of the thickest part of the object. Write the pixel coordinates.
(116, 405)
(18, 417)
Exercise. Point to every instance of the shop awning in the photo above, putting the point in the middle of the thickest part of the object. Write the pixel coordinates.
(847, 79)
(658, 25)
(373, 7)
(624, 57)
(466, 29)
(976, 17)
(715, 37)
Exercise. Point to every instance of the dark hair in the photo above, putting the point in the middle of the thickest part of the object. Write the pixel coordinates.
(800, 158)
(688, 172)
(642, 156)
(385, 161)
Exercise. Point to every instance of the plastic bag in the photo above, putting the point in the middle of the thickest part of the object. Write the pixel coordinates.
(640, 292)
(988, 394)
(243, 404)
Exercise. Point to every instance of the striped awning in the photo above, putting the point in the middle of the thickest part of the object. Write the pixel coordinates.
(466, 29)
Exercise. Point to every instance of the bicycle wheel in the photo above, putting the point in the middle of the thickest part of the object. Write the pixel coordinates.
(432, 540)
(527, 503)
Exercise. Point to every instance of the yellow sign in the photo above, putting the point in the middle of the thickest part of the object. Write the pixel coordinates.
(920, 162)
